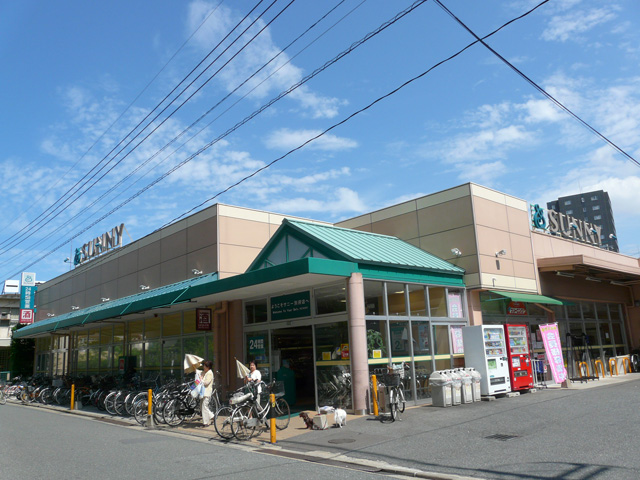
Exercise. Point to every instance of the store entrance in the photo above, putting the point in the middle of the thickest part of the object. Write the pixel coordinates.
(292, 356)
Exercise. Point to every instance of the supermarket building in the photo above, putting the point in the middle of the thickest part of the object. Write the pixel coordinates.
(333, 302)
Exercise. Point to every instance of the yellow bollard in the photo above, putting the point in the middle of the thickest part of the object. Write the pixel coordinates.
(73, 395)
(626, 363)
(580, 364)
(615, 362)
(272, 417)
(374, 394)
(150, 411)
(595, 366)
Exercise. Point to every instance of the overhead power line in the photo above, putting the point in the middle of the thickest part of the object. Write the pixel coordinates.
(327, 64)
(538, 87)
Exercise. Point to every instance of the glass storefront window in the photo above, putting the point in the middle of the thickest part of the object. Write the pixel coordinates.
(400, 339)
(94, 337)
(135, 350)
(395, 299)
(333, 365)
(257, 348)
(331, 299)
(442, 350)
(135, 330)
(377, 341)
(152, 355)
(437, 302)
(614, 311)
(117, 353)
(618, 338)
(422, 356)
(373, 298)
(194, 346)
(82, 340)
(106, 335)
(573, 311)
(118, 333)
(94, 359)
(456, 309)
(171, 358)
(602, 311)
(588, 311)
(256, 311)
(189, 323)
(417, 302)
(105, 359)
(591, 330)
(82, 361)
(171, 324)
(152, 327)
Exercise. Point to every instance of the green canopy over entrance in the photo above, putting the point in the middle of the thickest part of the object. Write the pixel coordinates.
(527, 298)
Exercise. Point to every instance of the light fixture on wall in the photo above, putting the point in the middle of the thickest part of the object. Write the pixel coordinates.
(51, 314)
(501, 253)
(105, 299)
(593, 279)
(564, 274)
(144, 287)
(195, 271)
(620, 284)
(456, 252)
(573, 225)
(67, 260)
(75, 307)
(612, 236)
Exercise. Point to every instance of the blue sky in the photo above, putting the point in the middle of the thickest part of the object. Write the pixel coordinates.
(72, 70)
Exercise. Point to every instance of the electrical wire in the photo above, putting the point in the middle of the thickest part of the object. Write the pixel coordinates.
(335, 125)
(69, 191)
(557, 103)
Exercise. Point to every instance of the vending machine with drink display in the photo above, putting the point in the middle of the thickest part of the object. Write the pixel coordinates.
(519, 355)
(485, 349)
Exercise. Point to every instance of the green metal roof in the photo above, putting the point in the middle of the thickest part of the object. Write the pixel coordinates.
(528, 298)
(360, 247)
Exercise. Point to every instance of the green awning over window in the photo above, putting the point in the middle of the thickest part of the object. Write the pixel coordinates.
(528, 298)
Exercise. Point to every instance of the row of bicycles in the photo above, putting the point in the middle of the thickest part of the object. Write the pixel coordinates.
(246, 412)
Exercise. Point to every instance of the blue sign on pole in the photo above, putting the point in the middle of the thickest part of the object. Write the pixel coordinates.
(27, 297)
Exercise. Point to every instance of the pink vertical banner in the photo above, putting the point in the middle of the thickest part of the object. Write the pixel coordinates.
(551, 340)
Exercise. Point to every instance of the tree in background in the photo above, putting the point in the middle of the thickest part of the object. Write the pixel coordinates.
(21, 354)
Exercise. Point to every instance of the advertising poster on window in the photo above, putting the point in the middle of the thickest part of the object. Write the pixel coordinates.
(456, 339)
(203, 319)
(423, 337)
(553, 350)
(455, 305)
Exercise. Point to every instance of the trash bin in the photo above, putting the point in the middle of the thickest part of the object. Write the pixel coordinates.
(467, 388)
(456, 387)
(440, 384)
(475, 383)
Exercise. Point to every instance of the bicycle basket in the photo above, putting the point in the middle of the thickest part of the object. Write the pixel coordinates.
(277, 388)
(391, 379)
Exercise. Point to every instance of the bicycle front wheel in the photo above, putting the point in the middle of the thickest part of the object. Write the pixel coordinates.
(395, 405)
(222, 422)
(402, 403)
(3, 398)
(283, 414)
(140, 412)
(243, 422)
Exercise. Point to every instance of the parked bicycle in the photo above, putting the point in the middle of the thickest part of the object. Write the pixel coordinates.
(391, 379)
(255, 412)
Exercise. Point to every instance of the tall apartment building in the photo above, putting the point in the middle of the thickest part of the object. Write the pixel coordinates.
(592, 207)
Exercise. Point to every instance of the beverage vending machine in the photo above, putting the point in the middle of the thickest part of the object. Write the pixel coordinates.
(485, 349)
(519, 357)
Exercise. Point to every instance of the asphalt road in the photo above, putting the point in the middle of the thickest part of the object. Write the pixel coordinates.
(39, 443)
(582, 434)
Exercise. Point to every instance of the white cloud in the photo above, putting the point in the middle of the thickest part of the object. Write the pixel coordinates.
(341, 200)
(486, 144)
(542, 111)
(285, 139)
(278, 76)
(570, 26)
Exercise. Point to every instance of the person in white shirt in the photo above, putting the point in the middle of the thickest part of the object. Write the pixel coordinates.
(207, 380)
(254, 377)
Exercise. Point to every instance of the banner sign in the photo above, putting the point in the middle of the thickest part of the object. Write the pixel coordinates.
(553, 349)
(517, 308)
(27, 297)
(98, 245)
(295, 305)
(455, 305)
(256, 345)
(203, 319)
(456, 339)
(28, 279)
(26, 317)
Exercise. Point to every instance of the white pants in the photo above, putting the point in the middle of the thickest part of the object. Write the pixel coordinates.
(207, 414)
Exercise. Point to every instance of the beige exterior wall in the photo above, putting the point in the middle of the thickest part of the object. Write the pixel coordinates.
(221, 238)
(476, 220)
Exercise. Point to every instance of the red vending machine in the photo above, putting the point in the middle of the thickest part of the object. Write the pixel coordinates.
(519, 354)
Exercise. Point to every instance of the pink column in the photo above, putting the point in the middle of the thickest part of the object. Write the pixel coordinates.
(358, 347)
